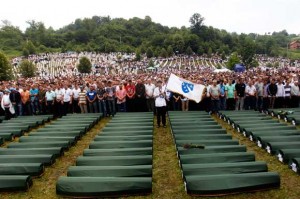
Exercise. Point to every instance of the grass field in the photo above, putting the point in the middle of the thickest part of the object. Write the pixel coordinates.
(167, 181)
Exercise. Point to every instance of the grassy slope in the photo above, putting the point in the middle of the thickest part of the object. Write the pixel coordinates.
(167, 181)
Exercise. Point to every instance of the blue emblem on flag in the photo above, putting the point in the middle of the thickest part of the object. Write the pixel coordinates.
(187, 87)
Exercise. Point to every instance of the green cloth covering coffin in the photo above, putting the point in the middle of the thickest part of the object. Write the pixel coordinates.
(223, 168)
(120, 144)
(40, 158)
(285, 155)
(37, 139)
(272, 147)
(32, 169)
(208, 142)
(217, 158)
(7, 136)
(57, 151)
(103, 186)
(230, 183)
(63, 144)
(198, 131)
(213, 149)
(118, 152)
(110, 171)
(123, 138)
(15, 182)
(114, 160)
(262, 140)
(294, 164)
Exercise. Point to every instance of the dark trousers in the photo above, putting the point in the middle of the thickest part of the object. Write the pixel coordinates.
(259, 103)
(49, 107)
(161, 115)
(140, 104)
(150, 104)
(130, 104)
(230, 104)
(215, 105)
(8, 115)
(26, 108)
(287, 102)
(295, 101)
(251, 102)
(266, 103)
(58, 109)
(75, 106)
(66, 108)
(279, 102)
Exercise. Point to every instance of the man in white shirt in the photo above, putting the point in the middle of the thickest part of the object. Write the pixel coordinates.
(50, 100)
(67, 99)
(76, 90)
(6, 105)
(58, 101)
(280, 94)
(149, 87)
(250, 96)
(160, 104)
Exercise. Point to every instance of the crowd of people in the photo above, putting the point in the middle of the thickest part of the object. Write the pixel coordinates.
(146, 91)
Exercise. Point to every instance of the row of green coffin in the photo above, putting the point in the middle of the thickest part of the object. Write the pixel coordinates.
(29, 156)
(206, 170)
(275, 137)
(118, 161)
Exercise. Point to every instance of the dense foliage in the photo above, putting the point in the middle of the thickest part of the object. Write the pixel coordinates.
(103, 34)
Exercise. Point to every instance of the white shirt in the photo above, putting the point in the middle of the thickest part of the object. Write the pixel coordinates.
(160, 100)
(50, 95)
(67, 95)
(250, 90)
(58, 94)
(5, 102)
(76, 93)
(149, 90)
(280, 90)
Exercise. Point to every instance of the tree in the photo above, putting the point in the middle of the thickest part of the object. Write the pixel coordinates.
(5, 68)
(233, 60)
(247, 52)
(196, 21)
(189, 51)
(170, 51)
(163, 53)
(149, 52)
(29, 49)
(85, 65)
(138, 55)
(27, 68)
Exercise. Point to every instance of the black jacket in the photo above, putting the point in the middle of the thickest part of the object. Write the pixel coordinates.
(15, 97)
(272, 89)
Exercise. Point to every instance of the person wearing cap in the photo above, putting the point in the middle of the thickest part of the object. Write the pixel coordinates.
(160, 104)
(7, 105)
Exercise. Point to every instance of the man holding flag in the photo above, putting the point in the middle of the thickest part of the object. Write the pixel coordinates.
(159, 95)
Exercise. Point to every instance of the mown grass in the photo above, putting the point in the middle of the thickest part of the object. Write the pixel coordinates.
(167, 180)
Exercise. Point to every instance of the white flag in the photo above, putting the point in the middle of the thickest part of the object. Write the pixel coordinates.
(186, 88)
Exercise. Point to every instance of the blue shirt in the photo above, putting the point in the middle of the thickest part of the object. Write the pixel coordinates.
(91, 95)
(222, 89)
(34, 92)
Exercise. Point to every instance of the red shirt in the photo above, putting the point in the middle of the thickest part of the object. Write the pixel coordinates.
(130, 89)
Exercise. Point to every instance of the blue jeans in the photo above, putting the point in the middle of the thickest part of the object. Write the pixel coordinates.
(111, 107)
(93, 107)
(102, 107)
(122, 107)
(34, 106)
(215, 105)
(222, 103)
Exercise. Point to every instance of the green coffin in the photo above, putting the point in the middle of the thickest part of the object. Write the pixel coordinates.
(285, 155)
(127, 133)
(103, 186)
(7, 136)
(126, 129)
(262, 140)
(57, 151)
(114, 160)
(269, 132)
(123, 138)
(37, 139)
(110, 171)
(120, 144)
(15, 183)
(204, 137)
(208, 142)
(15, 127)
(11, 131)
(223, 168)
(44, 159)
(52, 144)
(213, 149)
(32, 169)
(1, 141)
(192, 128)
(272, 147)
(199, 131)
(49, 133)
(217, 158)
(118, 152)
(231, 183)
(294, 164)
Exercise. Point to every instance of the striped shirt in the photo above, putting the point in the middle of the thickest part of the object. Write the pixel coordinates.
(287, 90)
(82, 97)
